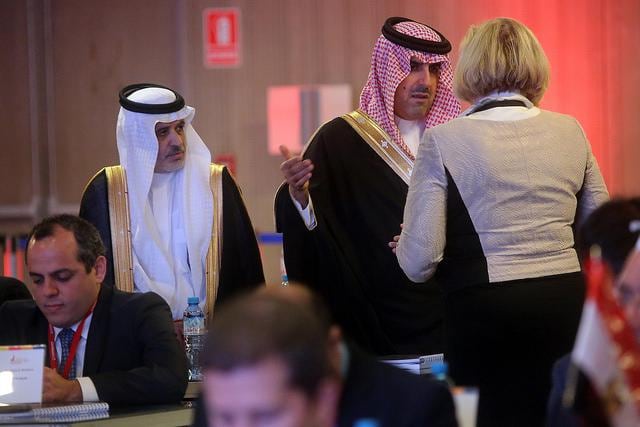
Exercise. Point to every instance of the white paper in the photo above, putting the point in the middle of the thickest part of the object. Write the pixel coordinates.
(21, 373)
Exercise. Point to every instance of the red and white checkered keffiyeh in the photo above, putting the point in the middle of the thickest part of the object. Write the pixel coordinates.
(390, 64)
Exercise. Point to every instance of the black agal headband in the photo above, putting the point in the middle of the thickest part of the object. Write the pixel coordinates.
(138, 107)
(442, 47)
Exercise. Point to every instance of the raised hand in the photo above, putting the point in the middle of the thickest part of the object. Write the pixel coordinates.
(297, 173)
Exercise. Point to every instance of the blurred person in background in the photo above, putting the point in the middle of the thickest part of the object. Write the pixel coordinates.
(614, 228)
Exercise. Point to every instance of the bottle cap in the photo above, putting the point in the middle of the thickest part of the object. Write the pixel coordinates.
(366, 422)
(439, 368)
(193, 300)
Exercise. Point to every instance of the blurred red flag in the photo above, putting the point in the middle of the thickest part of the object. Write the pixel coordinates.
(606, 350)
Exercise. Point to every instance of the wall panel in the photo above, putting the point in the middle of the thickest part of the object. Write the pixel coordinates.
(18, 187)
(97, 48)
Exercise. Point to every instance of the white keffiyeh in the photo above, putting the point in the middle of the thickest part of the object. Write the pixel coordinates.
(171, 214)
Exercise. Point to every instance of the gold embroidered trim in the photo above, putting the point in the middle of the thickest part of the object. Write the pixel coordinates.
(120, 227)
(381, 143)
(212, 265)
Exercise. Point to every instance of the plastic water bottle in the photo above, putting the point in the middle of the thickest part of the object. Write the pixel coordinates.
(194, 334)
(440, 372)
(366, 422)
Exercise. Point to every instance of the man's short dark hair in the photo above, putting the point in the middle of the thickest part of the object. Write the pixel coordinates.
(608, 227)
(258, 327)
(90, 245)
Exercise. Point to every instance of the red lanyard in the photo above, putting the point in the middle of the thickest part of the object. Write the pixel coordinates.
(53, 359)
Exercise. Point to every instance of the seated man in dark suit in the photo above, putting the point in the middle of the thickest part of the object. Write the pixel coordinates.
(611, 228)
(263, 328)
(103, 344)
(11, 289)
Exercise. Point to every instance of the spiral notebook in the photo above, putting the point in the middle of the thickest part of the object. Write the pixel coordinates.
(54, 413)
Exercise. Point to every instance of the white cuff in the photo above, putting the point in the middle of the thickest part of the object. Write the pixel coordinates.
(89, 392)
(307, 214)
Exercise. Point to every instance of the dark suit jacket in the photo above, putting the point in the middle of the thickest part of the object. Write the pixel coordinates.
(587, 409)
(132, 354)
(557, 414)
(391, 396)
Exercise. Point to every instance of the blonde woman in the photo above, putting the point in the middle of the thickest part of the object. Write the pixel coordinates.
(491, 207)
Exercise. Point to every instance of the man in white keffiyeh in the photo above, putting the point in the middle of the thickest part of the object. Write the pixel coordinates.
(171, 242)
(344, 196)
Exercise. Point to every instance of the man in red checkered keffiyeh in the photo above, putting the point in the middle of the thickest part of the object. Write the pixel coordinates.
(395, 64)
(343, 199)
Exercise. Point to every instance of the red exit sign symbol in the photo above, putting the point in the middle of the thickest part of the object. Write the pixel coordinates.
(221, 33)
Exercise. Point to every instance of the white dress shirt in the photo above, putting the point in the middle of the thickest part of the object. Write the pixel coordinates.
(89, 393)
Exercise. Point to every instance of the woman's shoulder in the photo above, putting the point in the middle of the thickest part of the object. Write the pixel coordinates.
(558, 117)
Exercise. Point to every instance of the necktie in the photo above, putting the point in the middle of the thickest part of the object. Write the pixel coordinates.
(66, 336)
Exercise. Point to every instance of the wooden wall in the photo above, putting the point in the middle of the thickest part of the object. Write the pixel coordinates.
(64, 61)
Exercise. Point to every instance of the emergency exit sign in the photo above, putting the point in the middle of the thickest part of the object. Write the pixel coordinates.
(222, 37)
